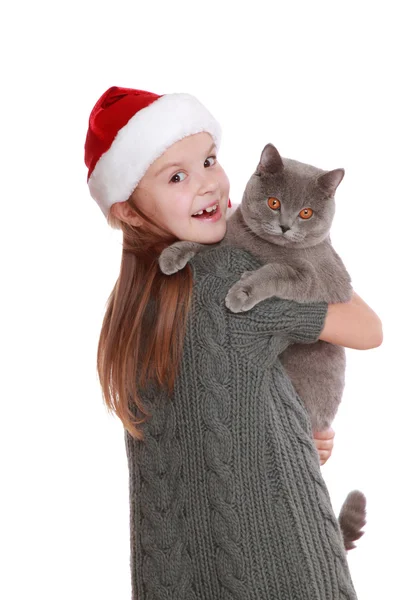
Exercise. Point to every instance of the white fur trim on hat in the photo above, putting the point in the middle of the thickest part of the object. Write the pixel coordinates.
(142, 140)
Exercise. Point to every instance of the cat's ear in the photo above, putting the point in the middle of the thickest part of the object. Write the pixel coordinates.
(270, 161)
(329, 181)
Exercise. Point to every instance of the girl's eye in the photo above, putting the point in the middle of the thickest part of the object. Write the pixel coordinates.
(214, 158)
(306, 213)
(177, 175)
(274, 203)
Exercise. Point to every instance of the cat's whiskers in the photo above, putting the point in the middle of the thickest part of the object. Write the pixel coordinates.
(270, 229)
(296, 237)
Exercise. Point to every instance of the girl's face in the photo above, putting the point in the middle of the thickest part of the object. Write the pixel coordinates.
(186, 179)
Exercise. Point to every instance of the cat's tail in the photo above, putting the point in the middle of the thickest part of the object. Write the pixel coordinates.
(352, 518)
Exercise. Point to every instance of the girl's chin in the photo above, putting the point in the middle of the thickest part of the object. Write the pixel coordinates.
(211, 234)
(214, 236)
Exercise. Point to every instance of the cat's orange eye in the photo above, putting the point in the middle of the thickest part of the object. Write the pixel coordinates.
(274, 203)
(306, 213)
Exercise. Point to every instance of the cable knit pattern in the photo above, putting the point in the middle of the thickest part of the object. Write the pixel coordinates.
(164, 570)
(227, 500)
(215, 397)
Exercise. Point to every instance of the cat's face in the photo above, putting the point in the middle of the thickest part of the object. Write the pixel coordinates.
(289, 203)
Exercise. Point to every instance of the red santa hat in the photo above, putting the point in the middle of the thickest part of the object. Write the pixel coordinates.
(129, 129)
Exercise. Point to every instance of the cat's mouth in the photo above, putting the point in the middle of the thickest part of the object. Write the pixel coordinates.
(282, 237)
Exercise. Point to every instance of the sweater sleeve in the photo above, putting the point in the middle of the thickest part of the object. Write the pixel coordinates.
(300, 322)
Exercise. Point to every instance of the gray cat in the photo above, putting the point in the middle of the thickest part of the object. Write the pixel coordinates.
(284, 220)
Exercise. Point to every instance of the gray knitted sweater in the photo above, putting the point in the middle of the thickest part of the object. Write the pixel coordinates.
(227, 501)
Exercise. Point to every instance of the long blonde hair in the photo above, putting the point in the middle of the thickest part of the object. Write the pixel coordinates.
(143, 329)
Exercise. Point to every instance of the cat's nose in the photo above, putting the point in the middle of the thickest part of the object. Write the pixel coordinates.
(284, 228)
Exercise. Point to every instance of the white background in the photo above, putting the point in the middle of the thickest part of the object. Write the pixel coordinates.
(317, 79)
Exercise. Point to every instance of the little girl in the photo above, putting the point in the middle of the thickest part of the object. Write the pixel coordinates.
(227, 500)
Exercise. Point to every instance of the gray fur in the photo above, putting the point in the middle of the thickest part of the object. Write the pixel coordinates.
(299, 263)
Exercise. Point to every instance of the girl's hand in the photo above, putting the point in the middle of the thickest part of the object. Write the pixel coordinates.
(324, 443)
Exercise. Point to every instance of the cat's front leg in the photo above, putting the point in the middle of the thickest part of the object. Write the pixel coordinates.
(175, 257)
(252, 287)
(295, 282)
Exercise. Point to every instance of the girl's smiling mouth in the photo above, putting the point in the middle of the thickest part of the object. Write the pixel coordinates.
(208, 212)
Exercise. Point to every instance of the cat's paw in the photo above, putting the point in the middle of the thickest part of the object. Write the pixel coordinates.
(244, 294)
(175, 257)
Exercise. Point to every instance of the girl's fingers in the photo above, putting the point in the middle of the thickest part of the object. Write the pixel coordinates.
(323, 441)
(324, 444)
(328, 434)
(323, 456)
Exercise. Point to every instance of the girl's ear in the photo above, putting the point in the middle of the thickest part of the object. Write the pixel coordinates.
(124, 212)
(136, 221)
(229, 203)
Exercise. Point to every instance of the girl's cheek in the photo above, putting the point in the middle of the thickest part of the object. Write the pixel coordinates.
(225, 181)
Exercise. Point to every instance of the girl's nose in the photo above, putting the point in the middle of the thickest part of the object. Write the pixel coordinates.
(207, 184)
